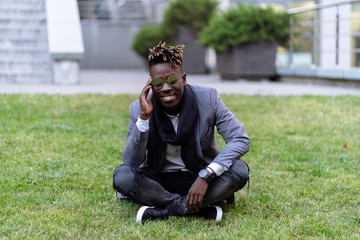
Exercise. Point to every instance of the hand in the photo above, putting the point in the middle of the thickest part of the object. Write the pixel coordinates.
(196, 194)
(146, 104)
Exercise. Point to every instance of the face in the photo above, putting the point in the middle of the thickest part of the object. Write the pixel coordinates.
(168, 96)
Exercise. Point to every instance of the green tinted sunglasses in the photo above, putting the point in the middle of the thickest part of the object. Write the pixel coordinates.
(158, 83)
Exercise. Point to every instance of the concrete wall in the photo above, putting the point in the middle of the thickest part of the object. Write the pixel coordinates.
(327, 38)
(65, 40)
(108, 45)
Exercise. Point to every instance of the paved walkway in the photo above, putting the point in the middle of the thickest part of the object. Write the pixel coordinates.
(132, 81)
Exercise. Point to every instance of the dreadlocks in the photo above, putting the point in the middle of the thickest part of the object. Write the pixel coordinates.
(170, 54)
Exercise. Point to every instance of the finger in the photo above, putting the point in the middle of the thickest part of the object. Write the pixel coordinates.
(198, 203)
(187, 205)
(151, 97)
(149, 82)
(147, 88)
(145, 91)
(194, 204)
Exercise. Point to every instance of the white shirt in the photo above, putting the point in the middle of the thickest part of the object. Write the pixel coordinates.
(173, 153)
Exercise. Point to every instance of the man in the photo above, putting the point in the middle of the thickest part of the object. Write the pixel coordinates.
(172, 163)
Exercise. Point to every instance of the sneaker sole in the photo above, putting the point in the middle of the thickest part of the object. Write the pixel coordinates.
(219, 213)
(140, 213)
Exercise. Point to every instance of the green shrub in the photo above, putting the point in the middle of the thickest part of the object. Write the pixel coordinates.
(244, 24)
(148, 37)
(195, 14)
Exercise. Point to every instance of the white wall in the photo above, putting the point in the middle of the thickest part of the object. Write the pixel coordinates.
(65, 40)
(327, 38)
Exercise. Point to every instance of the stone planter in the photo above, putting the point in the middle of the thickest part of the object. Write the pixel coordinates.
(194, 55)
(251, 61)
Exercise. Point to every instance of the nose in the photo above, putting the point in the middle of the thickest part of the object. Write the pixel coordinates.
(166, 87)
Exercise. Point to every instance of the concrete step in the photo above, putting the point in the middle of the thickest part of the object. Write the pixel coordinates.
(24, 49)
(22, 1)
(12, 43)
(24, 53)
(24, 64)
(26, 77)
(22, 59)
(7, 15)
(45, 60)
(25, 37)
(10, 33)
(24, 56)
(6, 4)
(24, 28)
(21, 22)
(9, 57)
(16, 11)
(22, 18)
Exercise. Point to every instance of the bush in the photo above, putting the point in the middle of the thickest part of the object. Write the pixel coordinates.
(148, 37)
(192, 13)
(195, 14)
(245, 24)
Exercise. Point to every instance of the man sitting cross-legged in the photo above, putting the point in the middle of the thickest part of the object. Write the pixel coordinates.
(172, 163)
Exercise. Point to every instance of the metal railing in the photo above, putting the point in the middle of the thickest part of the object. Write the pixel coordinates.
(121, 10)
(310, 31)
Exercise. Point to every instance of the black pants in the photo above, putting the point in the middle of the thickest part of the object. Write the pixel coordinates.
(143, 186)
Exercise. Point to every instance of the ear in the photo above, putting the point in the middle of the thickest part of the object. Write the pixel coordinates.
(184, 77)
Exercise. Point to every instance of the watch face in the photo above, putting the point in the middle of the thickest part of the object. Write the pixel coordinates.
(203, 173)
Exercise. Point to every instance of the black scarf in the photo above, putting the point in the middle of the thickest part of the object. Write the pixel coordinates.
(162, 132)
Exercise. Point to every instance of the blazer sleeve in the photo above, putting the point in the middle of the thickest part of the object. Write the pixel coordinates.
(134, 152)
(231, 130)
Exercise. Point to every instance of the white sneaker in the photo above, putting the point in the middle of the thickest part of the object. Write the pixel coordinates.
(211, 212)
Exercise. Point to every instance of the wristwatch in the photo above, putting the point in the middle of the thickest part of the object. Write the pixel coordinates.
(207, 174)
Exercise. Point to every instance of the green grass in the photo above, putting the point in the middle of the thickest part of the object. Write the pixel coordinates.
(57, 155)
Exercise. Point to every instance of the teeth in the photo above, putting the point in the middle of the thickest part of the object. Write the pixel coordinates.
(168, 97)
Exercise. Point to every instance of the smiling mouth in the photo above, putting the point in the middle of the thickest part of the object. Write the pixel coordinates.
(168, 98)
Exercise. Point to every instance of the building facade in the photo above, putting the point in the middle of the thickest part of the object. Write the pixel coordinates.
(325, 43)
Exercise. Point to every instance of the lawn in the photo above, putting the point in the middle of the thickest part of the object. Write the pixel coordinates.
(57, 155)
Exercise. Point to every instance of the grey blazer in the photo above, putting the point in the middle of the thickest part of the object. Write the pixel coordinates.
(212, 112)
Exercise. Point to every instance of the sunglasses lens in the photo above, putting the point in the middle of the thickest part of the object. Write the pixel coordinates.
(172, 80)
(157, 83)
